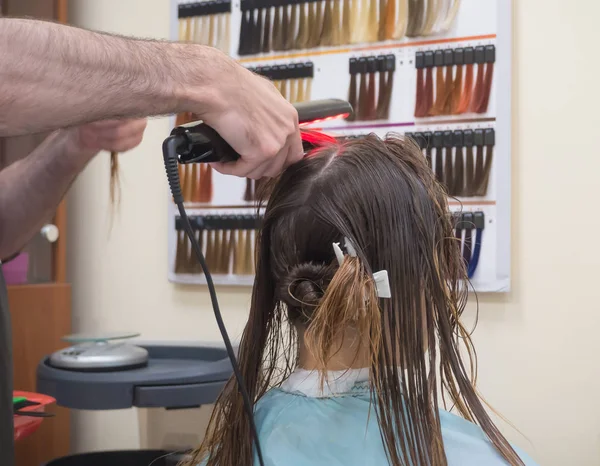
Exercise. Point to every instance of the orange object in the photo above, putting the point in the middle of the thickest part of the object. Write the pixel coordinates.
(25, 425)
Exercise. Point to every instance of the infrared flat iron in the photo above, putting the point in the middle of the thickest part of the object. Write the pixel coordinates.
(199, 143)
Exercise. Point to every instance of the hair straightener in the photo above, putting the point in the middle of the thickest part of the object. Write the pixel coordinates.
(197, 142)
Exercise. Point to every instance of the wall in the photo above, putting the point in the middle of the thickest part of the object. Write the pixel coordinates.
(537, 346)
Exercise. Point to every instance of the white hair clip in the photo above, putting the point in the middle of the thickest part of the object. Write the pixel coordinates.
(382, 281)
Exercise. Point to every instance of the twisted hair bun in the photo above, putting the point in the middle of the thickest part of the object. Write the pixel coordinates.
(303, 288)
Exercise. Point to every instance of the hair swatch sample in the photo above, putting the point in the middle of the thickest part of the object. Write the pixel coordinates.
(207, 23)
(458, 88)
(293, 80)
(371, 86)
(463, 159)
(227, 241)
(294, 25)
(196, 179)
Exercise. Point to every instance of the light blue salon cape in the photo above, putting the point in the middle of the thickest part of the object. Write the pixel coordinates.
(296, 429)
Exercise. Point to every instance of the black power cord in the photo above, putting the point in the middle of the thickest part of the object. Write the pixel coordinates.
(170, 149)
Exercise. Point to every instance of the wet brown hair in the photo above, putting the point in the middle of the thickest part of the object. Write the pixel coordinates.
(382, 196)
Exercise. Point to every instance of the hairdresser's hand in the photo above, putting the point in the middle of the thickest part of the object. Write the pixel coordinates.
(253, 117)
(110, 135)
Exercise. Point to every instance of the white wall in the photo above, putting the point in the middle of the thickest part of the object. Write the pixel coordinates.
(538, 347)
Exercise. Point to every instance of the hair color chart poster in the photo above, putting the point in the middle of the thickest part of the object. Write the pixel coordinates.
(437, 71)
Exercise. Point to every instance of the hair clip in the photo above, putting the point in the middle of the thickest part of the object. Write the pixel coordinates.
(382, 281)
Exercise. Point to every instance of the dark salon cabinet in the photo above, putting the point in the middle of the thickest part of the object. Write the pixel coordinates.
(41, 306)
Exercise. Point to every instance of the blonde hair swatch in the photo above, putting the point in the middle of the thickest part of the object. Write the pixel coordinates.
(326, 23)
(227, 241)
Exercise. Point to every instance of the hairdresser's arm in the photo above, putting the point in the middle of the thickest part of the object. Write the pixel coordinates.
(54, 76)
(31, 188)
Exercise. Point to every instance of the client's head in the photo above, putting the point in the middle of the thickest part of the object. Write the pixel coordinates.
(378, 200)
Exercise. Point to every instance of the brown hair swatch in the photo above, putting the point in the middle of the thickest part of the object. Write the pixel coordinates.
(180, 252)
(363, 91)
(438, 143)
(448, 174)
(440, 85)
(469, 167)
(266, 44)
(416, 13)
(326, 38)
(240, 253)
(482, 183)
(478, 90)
(459, 172)
(484, 140)
(478, 172)
(286, 40)
(458, 85)
(383, 7)
(277, 38)
(389, 67)
(383, 91)
(420, 93)
(353, 89)
(371, 100)
(257, 35)
(487, 81)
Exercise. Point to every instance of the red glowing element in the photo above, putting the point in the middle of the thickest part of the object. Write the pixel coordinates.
(320, 120)
(317, 138)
